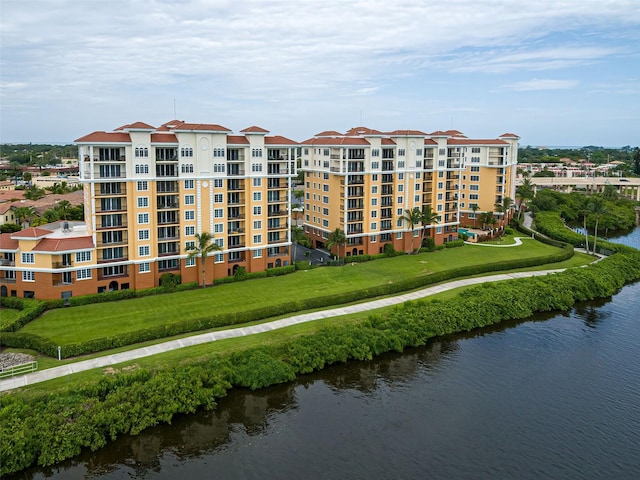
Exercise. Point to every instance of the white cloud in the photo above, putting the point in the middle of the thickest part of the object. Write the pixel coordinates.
(236, 54)
(542, 84)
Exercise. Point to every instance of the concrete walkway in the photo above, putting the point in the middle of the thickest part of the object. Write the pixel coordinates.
(517, 240)
(132, 355)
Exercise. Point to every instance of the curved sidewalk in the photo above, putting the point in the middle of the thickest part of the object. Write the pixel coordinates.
(130, 355)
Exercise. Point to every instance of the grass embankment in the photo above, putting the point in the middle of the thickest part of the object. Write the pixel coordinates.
(90, 322)
(44, 428)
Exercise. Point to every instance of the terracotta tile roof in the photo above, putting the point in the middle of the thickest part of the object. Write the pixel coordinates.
(163, 138)
(5, 207)
(278, 140)
(64, 244)
(471, 141)
(509, 135)
(254, 129)
(171, 124)
(104, 137)
(407, 133)
(31, 233)
(140, 126)
(237, 140)
(7, 243)
(337, 141)
(388, 141)
(429, 141)
(454, 133)
(438, 133)
(357, 131)
(328, 133)
(9, 195)
(50, 201)
(201, 127)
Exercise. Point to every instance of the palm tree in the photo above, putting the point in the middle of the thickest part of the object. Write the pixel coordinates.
(412, 217)
(337, 238)
(297, 236)
(583, 211)
(474, 209)
(525, 192)
(298, 195)
(427, 217)
(598, 208)
(63, 205)
(24, 215)
(203, 247)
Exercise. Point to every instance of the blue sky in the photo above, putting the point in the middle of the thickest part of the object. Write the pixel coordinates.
(562, 72)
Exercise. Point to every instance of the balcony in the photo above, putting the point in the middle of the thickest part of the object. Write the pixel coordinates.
(276, 213)
(5, 262)
(7, 280)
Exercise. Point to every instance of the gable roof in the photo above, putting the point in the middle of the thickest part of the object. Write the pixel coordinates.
(105, 137)
(254, 129)
(8, 243)
(64, 244)
(32, 233)
(278, 140)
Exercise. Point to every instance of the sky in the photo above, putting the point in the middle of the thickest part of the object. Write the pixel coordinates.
(561, 72)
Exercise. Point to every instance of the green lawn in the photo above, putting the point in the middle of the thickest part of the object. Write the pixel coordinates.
(8, 316)
(99, 320)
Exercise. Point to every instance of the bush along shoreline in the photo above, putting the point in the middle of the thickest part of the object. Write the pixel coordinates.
(44, 429)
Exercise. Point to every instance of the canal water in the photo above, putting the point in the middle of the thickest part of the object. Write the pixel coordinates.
(556, 396)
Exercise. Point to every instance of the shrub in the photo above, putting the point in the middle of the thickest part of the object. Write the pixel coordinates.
(389, 250)
(170, 280)
(240, 274)
(454, 244)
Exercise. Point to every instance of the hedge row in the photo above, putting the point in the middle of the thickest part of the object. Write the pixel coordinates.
(29, 310)
(47, 429)
(550, 224)
(48, 347)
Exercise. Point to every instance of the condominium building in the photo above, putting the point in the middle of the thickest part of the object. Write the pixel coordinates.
(364, 181)
(148, 191)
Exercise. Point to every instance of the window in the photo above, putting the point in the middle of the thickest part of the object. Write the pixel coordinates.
(189, 199)
(374, 238)
(475, 169)
(473, 196)
(400, 200)
(475, 149)
(325, 188)
(374, 190)
(257, 182)
(257, 224)
(374, 177)
(83, 274)
(256, 167)
(440, 185)
(374, 225)
(83, 256)
(325, 199)
(257, 196)
(143, 218)
(374, 202)
(439, 196)
(257, 253)
(143, 202)
(28, 258)
(188, 184)
(256, 152)
(325, 211)
(141, 152)
(141, 168)
(189, 214)
(474, 187)
(442, 151)
(217, 183)
(375, 165)
(375, 152)
(190, 245)
(218, 198)
(218, 152)
(374, 213)
(325, 223)
(218, 228)
(257, 210)
(401, 152)
(144, 267)
(28, 276)
(401, 188)
(257, 239)
(142, 186)
(475, 178)
(418, 152)
(189, 230)
(475, 159)
(218, 213)
(416, 198)
(218, 167)
(439, 208)
(401, 176)
(144, 251)
(190, 262)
